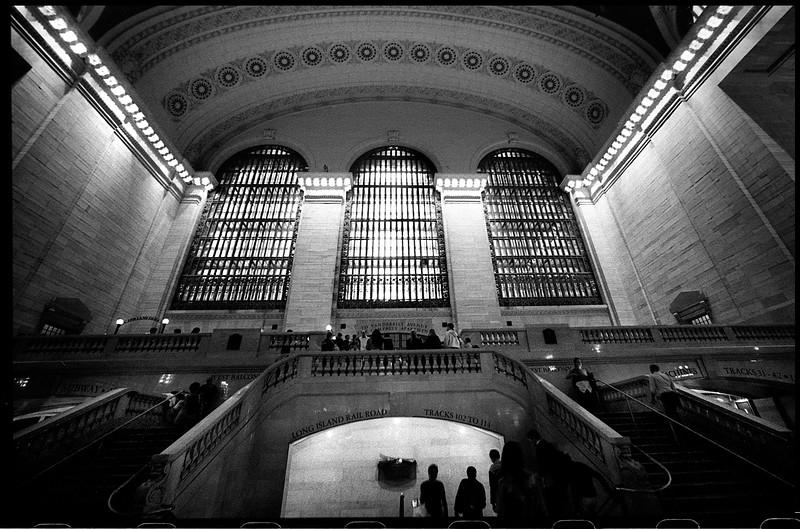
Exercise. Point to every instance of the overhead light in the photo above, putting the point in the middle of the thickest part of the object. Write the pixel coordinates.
(695, 45)
(141, 124)
(179, 167)
(724, 10)
(635, 117)
(125, 100)
(110, 81)
(205, 181)
(679, 66)
(168, 156)
(628, 124)
(78, 48)
(172, 163)
(616, 145)
(138, 116)
(687, 56)
(647, 102)
(626, 132)
(652, 94)
(640, 110)
(666, 75)
(704, 33)
(163, 151)
(149, 131)
(593, 171)
(714, 22)
(102, 71)
(660, 84)
(94, 59)
(68, 36)
(131, 109)
(118, 90)
(58, 24)
(185, 173)
(196, 181)
(158, 144)
(48, 11)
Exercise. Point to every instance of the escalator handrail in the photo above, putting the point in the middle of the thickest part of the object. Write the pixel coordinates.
(738, 456)
(94, 441)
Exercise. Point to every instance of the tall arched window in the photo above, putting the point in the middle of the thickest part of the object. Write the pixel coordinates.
(538, 254)
(393, 241)
(241, 255)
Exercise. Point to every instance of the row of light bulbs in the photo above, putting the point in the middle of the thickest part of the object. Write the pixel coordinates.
(473, 183)
(653, 101)
(323, 181)
(112, 85)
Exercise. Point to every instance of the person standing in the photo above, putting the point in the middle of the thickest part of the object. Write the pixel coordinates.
(451, 338)
(432, 341)
(414, 341)
(432, 496)
(517, 499)
(471, 497)
(494, 475)
(663, 387)
(583, 385)
(328, 344)
(209, 393)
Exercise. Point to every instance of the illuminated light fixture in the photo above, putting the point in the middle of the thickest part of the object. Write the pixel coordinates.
(679, 66)
(571, 183)
(179, 167)
(603, 162)
(755, 348)
(724, 10)
(439, 182)
(138, 116)
(687, 56)
(347, 181)
(94, 59)
(168, 157)
(196, 181)
(566, 189)
(205, 181)
(78, 48)
(315, 181)
(695, 45)
(159, 144)
(666, 75)
(607, 156)
(102, 71)
(118, 90)
(142, 124)
(48, 11)
(612, 151)
(461, 182)
(209, 187)
(652, 94)
(635, 117)
(640, 110)
(447, 182)
(578, 184)
(616, 145)
(629, 124)
(626, 132)
(68, 36)
(339, 181)
(185, 174)
(714, 22)
(593, 171)
(111, 81)
(153, 138)
(600, 166)
(620, 139)
(172, 163)
(131, 109)
(586, 182)
(149, 131)
(163, 151)
(660, 85)
(704, 33)
(548, 357)
(125, 100)
(58, 24)
(647, 102)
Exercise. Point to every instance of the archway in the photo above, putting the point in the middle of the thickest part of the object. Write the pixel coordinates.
(334, 473)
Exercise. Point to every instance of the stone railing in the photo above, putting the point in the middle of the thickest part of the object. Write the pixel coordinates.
(114, 346)
(289, 342)
(396, 363)
(499, 338)
(617, 335)
(510, 368)
(763, 332)
(687, 334)
(752, 437)
(41, 443)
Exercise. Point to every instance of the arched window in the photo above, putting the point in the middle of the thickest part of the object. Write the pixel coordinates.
(241, 255)
(538, 254)
(393, 241)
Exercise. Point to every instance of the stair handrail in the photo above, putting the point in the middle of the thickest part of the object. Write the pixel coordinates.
(114, 492)
(657, 462)
(673, 421)
(93, 442)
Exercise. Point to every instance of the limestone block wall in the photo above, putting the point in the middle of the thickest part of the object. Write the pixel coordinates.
(89, 220)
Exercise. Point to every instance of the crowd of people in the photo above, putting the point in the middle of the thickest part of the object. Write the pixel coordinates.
(558, 487)
(187, 408)
(376, 340)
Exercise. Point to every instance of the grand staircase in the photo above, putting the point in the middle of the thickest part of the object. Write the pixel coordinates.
(77, 491)
(708, 485)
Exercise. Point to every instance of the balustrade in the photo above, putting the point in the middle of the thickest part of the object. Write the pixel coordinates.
(509, 368)
(695, 333)
(587, 435)
(617, 335)
(201, 448)
(289, 343)
(499, 338)
(763, 332)
(422, 363)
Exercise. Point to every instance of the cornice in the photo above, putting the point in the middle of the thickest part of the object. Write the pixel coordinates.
(139, 50)
(200, 147)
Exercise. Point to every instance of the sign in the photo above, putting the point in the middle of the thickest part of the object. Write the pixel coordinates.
(456, 416)
(759, 370)
(421, 325)
(338, 420)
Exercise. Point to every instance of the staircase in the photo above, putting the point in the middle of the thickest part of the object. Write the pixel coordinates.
(708, 485)
(76, 492)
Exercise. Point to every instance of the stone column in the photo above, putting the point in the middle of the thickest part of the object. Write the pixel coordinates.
(473, 296)
(309, 306)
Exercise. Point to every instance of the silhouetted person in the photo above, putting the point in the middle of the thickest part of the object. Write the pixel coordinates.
(432, 341)
(494, 475)
(471, 497)
(340, 342)
(209, 393)
(552, 466)
(328, 344)
(189, 414)
(375, 340)
(414, 341)
(347, 343)
(517, 498)
(468, 344)
(286, 347)
(432, 496)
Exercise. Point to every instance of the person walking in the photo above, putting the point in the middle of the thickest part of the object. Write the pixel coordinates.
(471, 497)
(432, 496)
(662, 387)
(494, 475)
(209, 394)
(451, 339)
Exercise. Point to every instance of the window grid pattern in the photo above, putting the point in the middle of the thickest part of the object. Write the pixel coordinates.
(393, 239)
(241, 255)
(538, 254)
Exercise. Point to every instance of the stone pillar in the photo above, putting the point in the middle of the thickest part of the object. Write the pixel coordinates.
(309, 306)
(473, 296)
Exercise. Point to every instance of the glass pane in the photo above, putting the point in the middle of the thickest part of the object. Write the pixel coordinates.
(538, 253)
(242, 252)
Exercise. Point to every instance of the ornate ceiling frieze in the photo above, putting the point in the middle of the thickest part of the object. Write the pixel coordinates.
(200, 149)
(189, 95)
(142, 50)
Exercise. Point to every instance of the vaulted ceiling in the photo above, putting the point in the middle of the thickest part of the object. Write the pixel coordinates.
(211, 74)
